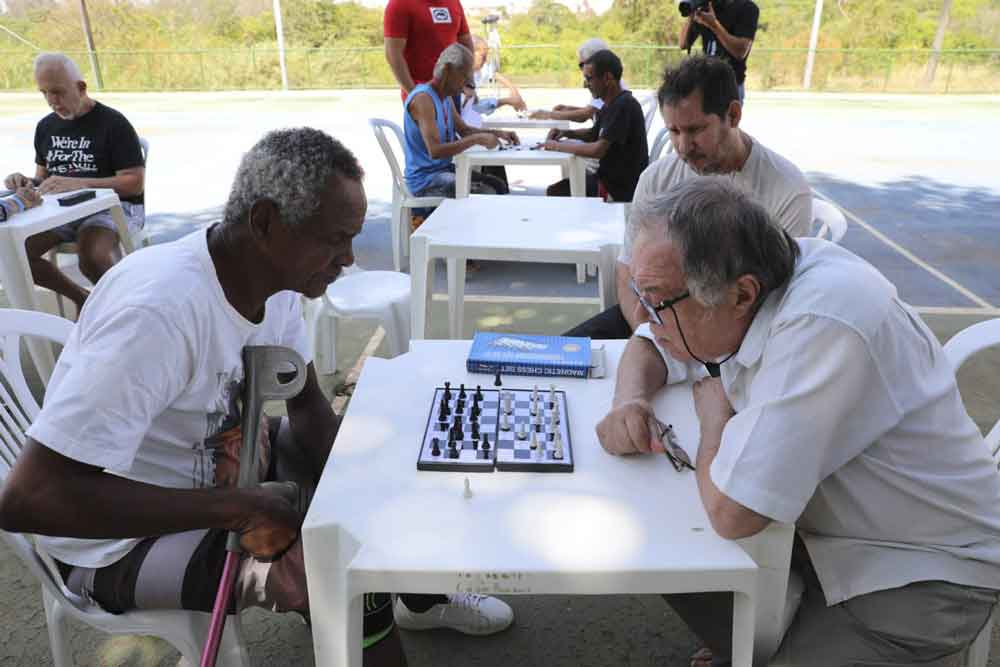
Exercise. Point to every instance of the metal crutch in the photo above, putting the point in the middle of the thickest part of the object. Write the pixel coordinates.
(261, 366)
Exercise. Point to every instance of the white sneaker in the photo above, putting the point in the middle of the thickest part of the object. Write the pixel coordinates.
(468, 613)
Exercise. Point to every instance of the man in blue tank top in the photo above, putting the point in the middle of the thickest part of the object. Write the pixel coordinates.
(434, 131)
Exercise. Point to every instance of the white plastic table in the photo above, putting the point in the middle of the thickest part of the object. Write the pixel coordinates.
(515, 123)
(616, 525)
(15, 273)
(573, 230)
(573, 167)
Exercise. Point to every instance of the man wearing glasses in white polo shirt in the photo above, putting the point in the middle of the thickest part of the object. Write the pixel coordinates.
(823, 401)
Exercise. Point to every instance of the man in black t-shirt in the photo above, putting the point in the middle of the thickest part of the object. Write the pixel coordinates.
(81, 144)
(617, 139)
(727, 29)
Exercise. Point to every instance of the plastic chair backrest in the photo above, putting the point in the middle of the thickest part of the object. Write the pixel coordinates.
(828, 219)
(18, 406)
(963, 345)
(648, 104)
(379, 126)
(661, 142)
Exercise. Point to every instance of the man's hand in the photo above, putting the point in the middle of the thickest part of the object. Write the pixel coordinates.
(271, 525)
(625, 430)
(54, 184)
(17, 180)
(508, 136)
(540, 115)
(519, 104)
(29, 195)
(711, 404)
(707, 18)
(486, 140)
(554, 135)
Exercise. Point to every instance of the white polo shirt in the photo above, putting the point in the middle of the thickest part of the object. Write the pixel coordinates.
(772, 180)
(849, 423)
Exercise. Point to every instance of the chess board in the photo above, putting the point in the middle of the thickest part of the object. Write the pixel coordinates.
(510, 448)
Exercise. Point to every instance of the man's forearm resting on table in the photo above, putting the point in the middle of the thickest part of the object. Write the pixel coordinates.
(125, 183)
(594, 149)
(50, 494)
(641, 371)
(729, 518)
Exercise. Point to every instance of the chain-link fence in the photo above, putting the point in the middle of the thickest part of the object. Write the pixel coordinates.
(536, 65)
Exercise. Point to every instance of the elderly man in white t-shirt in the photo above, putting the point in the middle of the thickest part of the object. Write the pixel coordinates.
(699, 102)
(833, 408)
(127, 474)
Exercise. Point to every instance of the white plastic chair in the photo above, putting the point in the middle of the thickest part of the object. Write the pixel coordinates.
(661, 145)
(377, 295)
(958, 349)
(828, 220)
(185, 630)
(403, 201)
(648, 104)
(130, 240)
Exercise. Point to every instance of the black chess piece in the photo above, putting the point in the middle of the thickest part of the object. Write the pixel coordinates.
(478, 396)
(475, 412)
(475, 430)
(461, 392)
(436, 449)
(486, 443)
(497, 382)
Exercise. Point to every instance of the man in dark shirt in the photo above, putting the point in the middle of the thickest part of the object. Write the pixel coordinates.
(81, 144)
(727, 29)
(617, 139)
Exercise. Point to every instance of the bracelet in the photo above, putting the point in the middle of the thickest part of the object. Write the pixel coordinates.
(20, 203)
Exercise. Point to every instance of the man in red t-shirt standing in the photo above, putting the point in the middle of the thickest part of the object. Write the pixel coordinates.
(416, 32)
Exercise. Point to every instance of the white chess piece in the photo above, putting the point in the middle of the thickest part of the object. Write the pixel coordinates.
(468, 489)
(534, 439)
(507, 407)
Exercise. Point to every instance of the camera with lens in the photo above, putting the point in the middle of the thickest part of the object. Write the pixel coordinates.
(688, 7)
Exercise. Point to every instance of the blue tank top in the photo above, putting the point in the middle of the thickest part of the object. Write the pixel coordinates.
(420, 167)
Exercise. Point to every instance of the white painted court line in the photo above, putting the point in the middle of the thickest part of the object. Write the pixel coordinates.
(969, 294)
(352, 376)
(939, 310)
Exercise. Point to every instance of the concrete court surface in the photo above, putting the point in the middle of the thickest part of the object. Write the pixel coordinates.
(916, 175)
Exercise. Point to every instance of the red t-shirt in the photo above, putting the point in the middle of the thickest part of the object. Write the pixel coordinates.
(428, 26)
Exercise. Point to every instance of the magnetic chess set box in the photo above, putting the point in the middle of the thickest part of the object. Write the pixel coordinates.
(527, 354)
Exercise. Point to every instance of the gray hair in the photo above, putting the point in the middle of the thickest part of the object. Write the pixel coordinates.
(61, 60)
(721, 234)
(590, 47)
(455, 55)
(292, 168)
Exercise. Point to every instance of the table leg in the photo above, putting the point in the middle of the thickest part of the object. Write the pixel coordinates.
(456, 297)
(15, 275)
(421, 277)
(463, 176)
(743, 624)
(121, 224)
(607, 285)
(577, 178)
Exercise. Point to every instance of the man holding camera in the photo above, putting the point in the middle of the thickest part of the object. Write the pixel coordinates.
(726, 28)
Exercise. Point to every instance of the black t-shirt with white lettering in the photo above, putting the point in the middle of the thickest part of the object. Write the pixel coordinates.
(96, 145)
(622, 124)
(739, 18)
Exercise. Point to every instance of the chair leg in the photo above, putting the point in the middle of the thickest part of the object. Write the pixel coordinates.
(53, 257)
(56, 623)
(396, 322)
(396, 231)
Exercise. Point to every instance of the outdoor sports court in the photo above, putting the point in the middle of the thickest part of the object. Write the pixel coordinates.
(917, 176)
